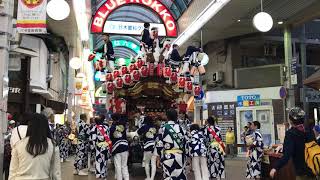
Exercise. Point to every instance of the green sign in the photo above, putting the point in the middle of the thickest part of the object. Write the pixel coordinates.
(128, 44)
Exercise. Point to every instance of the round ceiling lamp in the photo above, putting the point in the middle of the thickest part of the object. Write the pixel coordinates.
(75, 63)
(58, 9)
(263, 22)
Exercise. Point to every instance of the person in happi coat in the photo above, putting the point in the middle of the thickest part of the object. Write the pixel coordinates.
(63, 141)
(148, 132)
(215, 149)
(255, 153)
(81, 159)
(171, 147)
(120, 146)
(92, 150)
(107, 50)
(198, 153)
(100, 142)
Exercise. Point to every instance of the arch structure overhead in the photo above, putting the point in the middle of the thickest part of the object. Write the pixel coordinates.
(108, 8)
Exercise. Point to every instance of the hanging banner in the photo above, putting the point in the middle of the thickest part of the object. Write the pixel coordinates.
(78, 87)
(32, 15)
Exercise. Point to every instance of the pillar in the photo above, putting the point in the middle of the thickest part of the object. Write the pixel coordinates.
(290, 101)
(5, 34)
(303, 56)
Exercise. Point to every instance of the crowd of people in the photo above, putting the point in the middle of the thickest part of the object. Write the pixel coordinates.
(37, 147)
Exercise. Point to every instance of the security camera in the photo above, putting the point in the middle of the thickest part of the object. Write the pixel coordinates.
(49, 78)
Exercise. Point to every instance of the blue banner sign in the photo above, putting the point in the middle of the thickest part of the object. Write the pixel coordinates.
(248, 100)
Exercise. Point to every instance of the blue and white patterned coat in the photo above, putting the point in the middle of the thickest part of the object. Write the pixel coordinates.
(255, 156)
(118, 136)
(173, 164)
(81, 159)
(149, 135)
(215, 156)
(102, 151)
(197, 144)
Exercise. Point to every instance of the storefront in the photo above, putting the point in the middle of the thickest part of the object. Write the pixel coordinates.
(235, 108)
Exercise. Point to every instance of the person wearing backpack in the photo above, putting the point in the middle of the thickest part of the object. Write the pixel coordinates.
(294, 147)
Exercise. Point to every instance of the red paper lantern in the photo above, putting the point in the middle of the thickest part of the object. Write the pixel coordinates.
(160, 68)
(119, 82)
(139, 63)
(123, 70)
(181, 82)
(151, 69)
(116, 73)
(132, 67)
(196, 90)
(127, 79)
(189, 86)
(174, 77)
(144, 71)
(102, 64)
(135, 75)
(91, 57)
(110, 87)
(109, 76)
(167, 72)
(119, 106)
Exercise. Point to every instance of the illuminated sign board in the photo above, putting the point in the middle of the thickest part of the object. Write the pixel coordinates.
(128, 44)
(100, 17)
(130, 28)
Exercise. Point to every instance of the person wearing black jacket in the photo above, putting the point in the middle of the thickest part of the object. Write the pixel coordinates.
(146, 38)
(175, 57)
(293, 147)
(107, 50)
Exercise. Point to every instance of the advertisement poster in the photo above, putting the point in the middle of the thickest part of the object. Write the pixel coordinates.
(32, 16)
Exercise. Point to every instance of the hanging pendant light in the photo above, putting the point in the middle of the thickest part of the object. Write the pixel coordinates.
(263, 21)
(58, 9)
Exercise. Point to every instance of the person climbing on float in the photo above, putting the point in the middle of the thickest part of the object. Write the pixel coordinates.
(175, 58)
(107, 51)
(146, 42)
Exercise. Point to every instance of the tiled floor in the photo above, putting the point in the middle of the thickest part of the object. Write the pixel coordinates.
(235, 170)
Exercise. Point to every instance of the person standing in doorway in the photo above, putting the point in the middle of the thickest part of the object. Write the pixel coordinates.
(81, 159)
(101, 144)
(120, 148)
(171, 147)
(255, 153)
(198, 153)
(216, 149)
(230, 140)
(148, 132)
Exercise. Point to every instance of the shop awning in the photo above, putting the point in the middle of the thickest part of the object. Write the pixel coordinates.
(24, 51)
(45, 93)
(313, 81)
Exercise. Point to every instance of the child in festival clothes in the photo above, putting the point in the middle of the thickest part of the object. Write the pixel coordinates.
(198, 153)
(148, 132)
(255, 153)
(120, 146)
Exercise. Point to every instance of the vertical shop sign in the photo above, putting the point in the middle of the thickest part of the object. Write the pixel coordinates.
(32, 16)
(294, 78)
